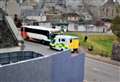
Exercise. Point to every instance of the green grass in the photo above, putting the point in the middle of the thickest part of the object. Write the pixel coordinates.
(105, 43)
(102, 47)
(102, 44)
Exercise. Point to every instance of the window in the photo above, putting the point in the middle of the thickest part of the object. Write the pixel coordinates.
(51, 35)
(70, 40)
(63, 40)
(59, 40)
(43, 32)
(53, 41)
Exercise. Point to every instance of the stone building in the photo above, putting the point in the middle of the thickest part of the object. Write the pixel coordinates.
(54, 2)
(2, 4)
(7, 38)
(13, 6)
(109, 9)
(71, 17)
(28, 2)
(103, 8)
(95, 2)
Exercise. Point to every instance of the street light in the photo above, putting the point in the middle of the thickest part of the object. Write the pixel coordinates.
(6, 2)
(20, 2)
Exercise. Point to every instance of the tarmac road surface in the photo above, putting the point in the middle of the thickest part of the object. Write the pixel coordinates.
(95, 71)
(39, 48)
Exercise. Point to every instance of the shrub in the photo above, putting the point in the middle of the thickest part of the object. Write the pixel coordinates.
(116, 26)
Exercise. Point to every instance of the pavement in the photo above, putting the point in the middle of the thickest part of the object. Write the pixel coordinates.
(100, 58)
(100, 69)
(103, 59)
(97, 71)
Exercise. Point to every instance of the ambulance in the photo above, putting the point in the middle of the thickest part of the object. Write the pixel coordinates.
(65, 42)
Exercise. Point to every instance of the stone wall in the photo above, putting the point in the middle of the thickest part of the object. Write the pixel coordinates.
(6, 37)
(116, 52)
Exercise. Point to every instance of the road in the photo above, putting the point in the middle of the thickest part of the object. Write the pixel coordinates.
(95, 71)
(37, 47)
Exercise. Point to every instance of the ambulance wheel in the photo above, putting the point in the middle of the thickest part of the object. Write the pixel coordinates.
(77, 51)
(72, 51)
(61, 50)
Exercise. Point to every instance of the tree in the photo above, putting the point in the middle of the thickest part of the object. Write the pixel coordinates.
(116, 26)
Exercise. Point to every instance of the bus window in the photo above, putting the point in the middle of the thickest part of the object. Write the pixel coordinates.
(43, 32)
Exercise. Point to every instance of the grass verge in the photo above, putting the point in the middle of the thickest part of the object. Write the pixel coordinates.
(100, 44)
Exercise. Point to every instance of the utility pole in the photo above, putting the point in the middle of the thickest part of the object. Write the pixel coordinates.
(6, 2)
(86, 7)
(41, 6)
(20, 2)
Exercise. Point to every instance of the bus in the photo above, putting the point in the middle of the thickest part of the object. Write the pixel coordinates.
(39, 33)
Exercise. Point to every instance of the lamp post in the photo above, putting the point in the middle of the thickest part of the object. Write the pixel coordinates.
(20, 4)
(6, 2)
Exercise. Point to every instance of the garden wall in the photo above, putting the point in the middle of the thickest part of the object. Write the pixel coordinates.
(116, 52)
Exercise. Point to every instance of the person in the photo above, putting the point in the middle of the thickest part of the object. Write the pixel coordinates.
(85, 39)
(15, 17)
(17, 21)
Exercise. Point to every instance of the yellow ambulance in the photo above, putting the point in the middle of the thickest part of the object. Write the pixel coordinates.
(65, 42)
